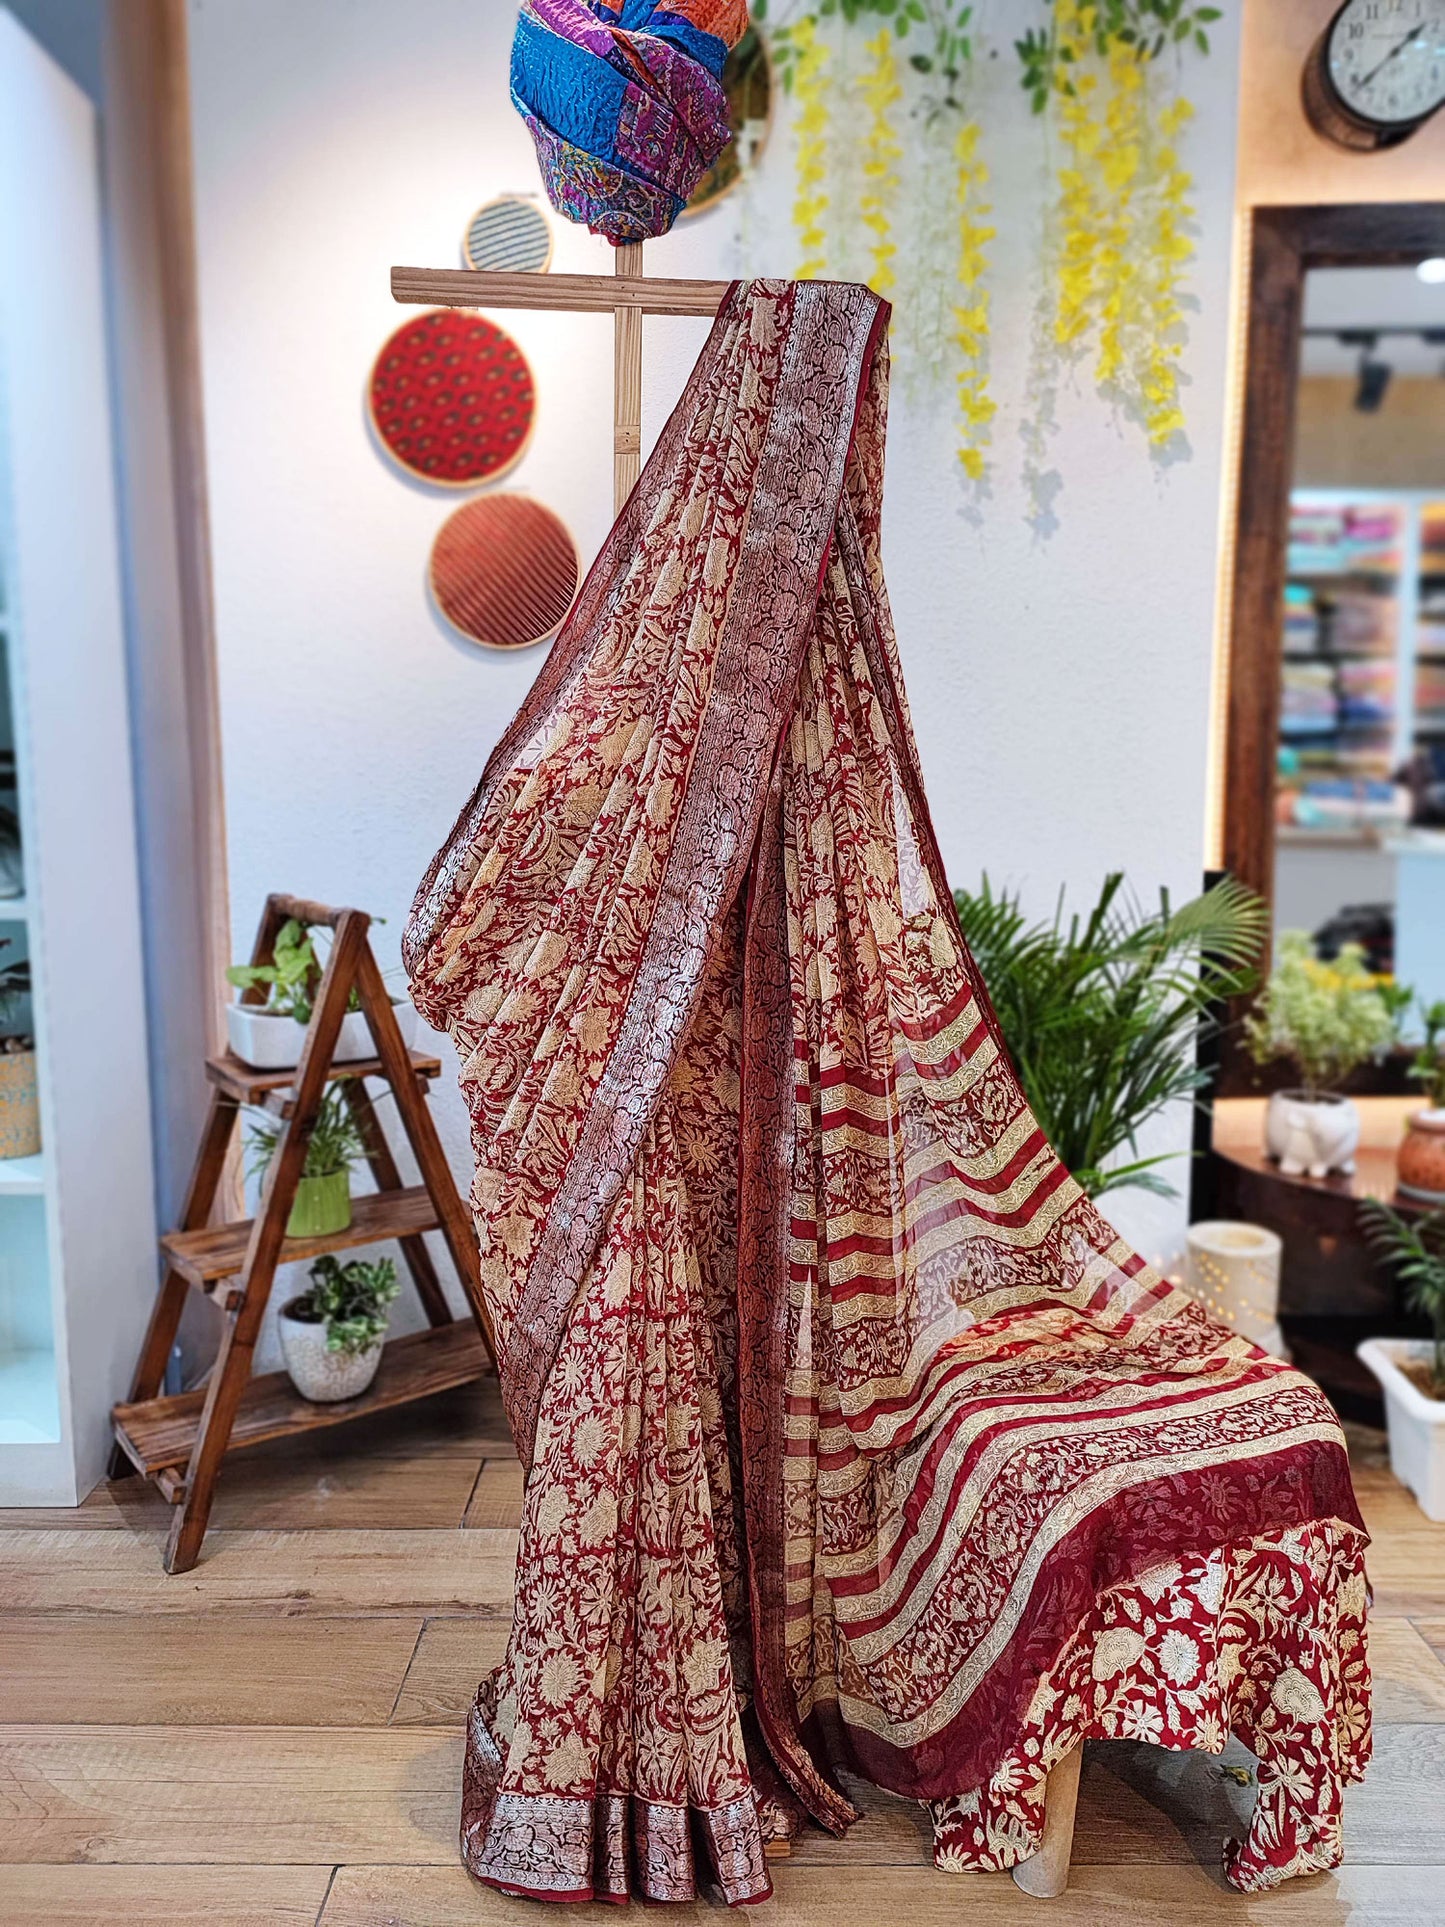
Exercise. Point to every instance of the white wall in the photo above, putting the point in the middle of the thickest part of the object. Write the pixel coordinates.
(1060, 691)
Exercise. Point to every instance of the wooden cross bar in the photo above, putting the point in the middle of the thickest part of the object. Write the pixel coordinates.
(627, 295)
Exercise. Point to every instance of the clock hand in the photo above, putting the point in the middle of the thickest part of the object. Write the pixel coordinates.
(1414, 34)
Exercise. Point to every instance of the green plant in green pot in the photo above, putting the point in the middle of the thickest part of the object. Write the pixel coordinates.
(332, 1335)
(1411, 1371)
(1103, 1014)
(323, 1195)
(1327, 1017)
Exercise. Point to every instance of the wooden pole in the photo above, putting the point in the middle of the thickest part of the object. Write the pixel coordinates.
(627, 384)
(557, 293)
(627, 295)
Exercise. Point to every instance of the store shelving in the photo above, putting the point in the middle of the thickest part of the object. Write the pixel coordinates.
(1364, 654)
(77, 1221)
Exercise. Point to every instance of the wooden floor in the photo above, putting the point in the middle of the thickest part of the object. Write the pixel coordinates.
(276, 1736)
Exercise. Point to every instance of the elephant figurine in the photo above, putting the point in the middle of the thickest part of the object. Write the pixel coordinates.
(1311, 1136)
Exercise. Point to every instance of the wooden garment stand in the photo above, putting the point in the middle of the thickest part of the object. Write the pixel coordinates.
(628, 296)
(179, 1441)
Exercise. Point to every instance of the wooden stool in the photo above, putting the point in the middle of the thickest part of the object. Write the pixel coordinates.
(1045, 1874)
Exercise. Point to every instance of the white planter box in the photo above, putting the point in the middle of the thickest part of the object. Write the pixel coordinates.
(270, 1043)
(1417, 1423)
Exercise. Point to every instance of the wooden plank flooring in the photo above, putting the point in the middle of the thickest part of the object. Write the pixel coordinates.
(276, 1736)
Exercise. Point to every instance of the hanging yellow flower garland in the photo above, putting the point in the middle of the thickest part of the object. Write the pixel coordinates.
(1117, 230)
(1118, 243)
(881, 154)
(810, 198)
(971, 311)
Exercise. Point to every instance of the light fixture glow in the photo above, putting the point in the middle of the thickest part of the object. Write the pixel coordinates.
(1432, 270)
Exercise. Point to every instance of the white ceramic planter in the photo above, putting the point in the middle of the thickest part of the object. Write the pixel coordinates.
(1310, 1137)
(1417, 1423)
(322, 1376)
(270, 1043)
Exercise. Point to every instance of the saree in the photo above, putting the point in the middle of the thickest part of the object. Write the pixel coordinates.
(857, 1443)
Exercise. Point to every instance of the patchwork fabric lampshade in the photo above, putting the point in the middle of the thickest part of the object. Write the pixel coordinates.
(452, 398)
(504, 570)
(625, 103)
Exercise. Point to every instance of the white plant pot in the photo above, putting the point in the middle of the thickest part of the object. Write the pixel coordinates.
(1416, 1423)
(1311, 1137)
(270, 1043)
(320, 1375)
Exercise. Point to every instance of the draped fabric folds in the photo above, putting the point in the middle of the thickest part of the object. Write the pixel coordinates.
(857, 1442)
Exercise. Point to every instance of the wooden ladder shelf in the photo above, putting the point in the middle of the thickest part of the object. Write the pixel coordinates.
(179, 1441)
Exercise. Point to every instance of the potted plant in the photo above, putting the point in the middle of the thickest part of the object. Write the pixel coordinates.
(1103, 1015)
(1326, 1018)
(270, 1035)
(323, 1195)
(19, 1084)
(333, 1335)
(1411, 1371)
(1420, 1171)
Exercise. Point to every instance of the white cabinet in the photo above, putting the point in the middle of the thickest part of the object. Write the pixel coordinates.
(77, 1223)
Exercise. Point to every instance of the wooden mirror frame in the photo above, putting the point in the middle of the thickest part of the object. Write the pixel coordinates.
(1285, 243)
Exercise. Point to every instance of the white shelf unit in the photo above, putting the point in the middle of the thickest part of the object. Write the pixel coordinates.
(77, 1223)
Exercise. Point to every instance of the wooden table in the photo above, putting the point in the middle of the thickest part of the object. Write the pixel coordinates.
(1333, 1290)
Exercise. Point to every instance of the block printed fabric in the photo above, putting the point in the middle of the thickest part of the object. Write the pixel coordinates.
(857, 1440)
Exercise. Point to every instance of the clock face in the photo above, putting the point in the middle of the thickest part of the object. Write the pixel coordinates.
(1387, 59)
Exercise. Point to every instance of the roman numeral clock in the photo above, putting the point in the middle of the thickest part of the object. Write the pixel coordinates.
(1377, 72)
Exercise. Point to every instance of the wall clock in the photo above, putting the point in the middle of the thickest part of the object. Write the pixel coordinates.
(1377, 72)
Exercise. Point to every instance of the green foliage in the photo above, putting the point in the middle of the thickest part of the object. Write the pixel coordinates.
(336, 1142)
(1416, 1249)
(1428, 1067)
(941, 30)
(1103, 1016)
(1149, 27)
(291, 979)
(1328, 1018)
(350, 1300)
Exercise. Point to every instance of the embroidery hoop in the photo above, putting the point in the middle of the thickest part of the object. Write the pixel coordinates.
(531, 206)
(418, 474)
(701, 202)
(479, 506)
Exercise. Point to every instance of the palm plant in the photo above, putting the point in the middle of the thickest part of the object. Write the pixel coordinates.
(1103, 1015)
(1417, 1252)
(336, 1142)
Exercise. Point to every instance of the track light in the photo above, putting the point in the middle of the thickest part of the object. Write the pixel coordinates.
(1372, 380)
(1433, 270)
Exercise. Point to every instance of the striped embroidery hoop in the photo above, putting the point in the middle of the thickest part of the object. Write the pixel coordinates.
(504, 570)
(508, 235)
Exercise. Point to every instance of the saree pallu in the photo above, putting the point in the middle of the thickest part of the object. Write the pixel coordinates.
(856, 1440)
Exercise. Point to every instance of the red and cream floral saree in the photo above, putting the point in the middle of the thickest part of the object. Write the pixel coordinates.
(856, 1439)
